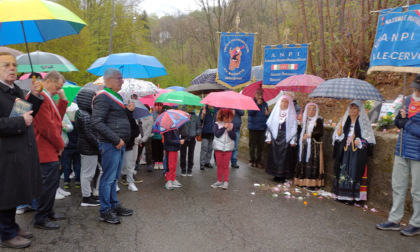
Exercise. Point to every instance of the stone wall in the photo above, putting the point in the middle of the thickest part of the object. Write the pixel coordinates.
(379, 165)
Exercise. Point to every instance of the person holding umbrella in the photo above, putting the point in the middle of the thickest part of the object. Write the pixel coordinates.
(223, 145)
(351, 139)
(21, 176)
(168, 124)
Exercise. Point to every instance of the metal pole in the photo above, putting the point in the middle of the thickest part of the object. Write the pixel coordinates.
(27, 48)
(403, 100)
(112, 27)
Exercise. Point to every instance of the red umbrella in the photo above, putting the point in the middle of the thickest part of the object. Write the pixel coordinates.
(269, 93)
(230, 99)
(303, 83)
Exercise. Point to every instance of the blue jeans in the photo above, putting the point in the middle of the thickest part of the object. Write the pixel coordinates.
(233, 159)
(112, 162)
(68, 157)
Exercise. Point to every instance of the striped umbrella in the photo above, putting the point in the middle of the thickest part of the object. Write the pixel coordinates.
(347, 88)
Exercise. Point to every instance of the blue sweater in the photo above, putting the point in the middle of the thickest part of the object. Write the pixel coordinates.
(256, 118)
(411, 134)
(209, 121)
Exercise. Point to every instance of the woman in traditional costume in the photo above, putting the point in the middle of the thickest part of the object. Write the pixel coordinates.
(310, 168)
(281, 136)
(351, 139)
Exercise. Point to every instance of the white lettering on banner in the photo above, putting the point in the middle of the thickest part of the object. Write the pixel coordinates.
(397, 56)
(396, 19)
(396, 37)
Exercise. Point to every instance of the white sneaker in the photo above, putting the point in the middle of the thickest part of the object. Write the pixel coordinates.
(169, 185)
(62, 192)
(183, 174)
(156, 166)
(118, 189)
(58, 196)
(71, 175)
(22, 210)
(95, 192)
(225, 185)
(142, 162)
(132, 187)
(161, 166)
(134, 172)
(176, 184)
(216, 185)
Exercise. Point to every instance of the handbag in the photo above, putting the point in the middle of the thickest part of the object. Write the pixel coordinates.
(198, 138)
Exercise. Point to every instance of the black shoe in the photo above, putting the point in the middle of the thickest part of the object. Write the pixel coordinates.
(208, 165)
(57, 217)
(280, 180)
(201, 167)
(89, 201)
(235, 166)
(110, 217)
(47, 225)
(95, 197)
(121, 211)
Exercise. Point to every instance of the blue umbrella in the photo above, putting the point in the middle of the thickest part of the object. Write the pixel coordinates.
(347, 88)
(131, 65)
(176, 88)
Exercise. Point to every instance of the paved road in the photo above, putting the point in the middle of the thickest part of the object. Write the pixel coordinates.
(199, 218)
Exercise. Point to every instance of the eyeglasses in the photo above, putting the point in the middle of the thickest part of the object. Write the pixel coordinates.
(158, 105)
(8, 64)
(258, 93)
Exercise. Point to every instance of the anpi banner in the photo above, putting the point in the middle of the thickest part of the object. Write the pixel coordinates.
(283, 61)
(397, 42)
(235, 59)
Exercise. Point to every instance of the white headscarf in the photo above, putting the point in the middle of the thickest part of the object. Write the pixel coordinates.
(365, 124)
(310, 127)
(291, 121)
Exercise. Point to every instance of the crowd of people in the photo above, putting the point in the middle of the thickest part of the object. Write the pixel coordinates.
(102, 144)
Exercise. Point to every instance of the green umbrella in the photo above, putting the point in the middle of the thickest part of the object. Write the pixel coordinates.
(70, 91)
(180, 97)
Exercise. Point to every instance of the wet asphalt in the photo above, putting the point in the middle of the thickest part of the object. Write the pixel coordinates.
(199, 218)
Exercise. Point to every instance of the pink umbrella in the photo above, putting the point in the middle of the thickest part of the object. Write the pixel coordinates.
(26, 76)
(269, 93)
(303, 83)
(150, 99)
(230, 99)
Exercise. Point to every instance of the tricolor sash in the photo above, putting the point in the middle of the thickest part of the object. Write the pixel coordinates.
(113, 97)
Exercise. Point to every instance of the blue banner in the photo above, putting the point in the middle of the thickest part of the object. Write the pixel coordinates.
(397, 46)
(283, 61)
(235, 59)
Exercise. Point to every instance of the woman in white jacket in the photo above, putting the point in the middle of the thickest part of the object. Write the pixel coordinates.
(223, 145)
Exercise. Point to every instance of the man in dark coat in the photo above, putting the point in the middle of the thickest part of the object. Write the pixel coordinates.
(20, 176)
(110, 121)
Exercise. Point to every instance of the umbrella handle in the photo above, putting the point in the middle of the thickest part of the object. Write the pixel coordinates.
(27, 48)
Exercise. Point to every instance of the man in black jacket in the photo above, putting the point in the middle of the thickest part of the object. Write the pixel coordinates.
(87, 145)
(189, 131)
(20, 175)
(110, 121)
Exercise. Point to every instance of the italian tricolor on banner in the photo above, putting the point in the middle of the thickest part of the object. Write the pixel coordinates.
(284, 67)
